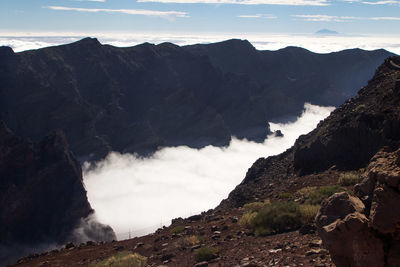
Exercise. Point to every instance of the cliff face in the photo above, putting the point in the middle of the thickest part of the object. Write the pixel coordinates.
(139, 98)
(361, 135)
(346, 140)
(42, 197)
(367, 232)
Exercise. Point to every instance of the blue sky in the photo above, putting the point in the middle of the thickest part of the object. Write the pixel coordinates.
(258, 16)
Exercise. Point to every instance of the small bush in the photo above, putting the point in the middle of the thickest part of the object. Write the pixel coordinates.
(277, 217)
(308, 213)
(318, 195)
(178, 229)
(188, 241)
(359, 108)
(123, 259)
(348, 178)
(255, 206)
(205, 254)
(247, 219)
(306, 191)
(285, 196)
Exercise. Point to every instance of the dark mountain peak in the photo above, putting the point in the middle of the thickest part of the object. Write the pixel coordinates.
(168, 45)
(235, 44)
(294, 50)
(87, 42)
(6, 51)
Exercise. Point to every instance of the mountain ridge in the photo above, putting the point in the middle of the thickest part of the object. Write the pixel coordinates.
(166, 95)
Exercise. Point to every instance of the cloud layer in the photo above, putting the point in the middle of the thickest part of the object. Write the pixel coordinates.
(329, 18)
(140, 195)
(316, 43)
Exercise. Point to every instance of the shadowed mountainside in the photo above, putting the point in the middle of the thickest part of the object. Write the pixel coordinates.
(42, 197)
(139, 98)
(346, 140)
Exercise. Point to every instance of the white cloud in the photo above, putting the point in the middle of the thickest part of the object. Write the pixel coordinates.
(144, 12)
(385, 18)
(248, 2)
(390, 2)
(328, 18)
(128, 192)
(325, 18)
(258, 16)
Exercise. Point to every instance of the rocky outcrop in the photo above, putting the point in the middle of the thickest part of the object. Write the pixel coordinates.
(365, 231)
(139, 98)
(355, 131)
(42, 197)
(346, 140)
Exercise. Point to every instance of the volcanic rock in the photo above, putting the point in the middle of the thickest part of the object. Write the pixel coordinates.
(139, 98)
(358, 237)
(43, 200)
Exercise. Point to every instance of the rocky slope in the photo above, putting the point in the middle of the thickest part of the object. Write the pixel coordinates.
(42, 197)
(346, 140)
(369, 124)
(365, 231)
(139, 98)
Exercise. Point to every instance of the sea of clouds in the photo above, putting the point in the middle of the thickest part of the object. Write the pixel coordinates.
(136, 195)
(21, 41)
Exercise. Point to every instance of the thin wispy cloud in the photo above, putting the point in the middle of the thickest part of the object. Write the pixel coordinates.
(258, 16)
(328, 18)
(383, 2)
(144, 12)
(390, 2)
(247, 2)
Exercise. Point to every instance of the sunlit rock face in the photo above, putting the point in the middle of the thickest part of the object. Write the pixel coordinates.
(140, 98)
(368, 233)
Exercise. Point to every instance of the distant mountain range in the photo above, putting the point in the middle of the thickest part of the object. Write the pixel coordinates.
(139, 98)
(326, 32)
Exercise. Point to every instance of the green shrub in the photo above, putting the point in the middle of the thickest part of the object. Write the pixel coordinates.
(349, 178)
(205, 254)
(123, 259)
(247, 219)
(255, 206)
(308, 213)
(188, 241)
(318, 195)
(285, 195)
(178, 229)
(277, 217)
(359, 108)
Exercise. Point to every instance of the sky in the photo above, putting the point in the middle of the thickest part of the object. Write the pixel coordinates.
(147, 193)
(191, 16)
(267, 24)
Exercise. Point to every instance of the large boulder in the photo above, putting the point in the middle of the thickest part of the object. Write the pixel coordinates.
(365, 231)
